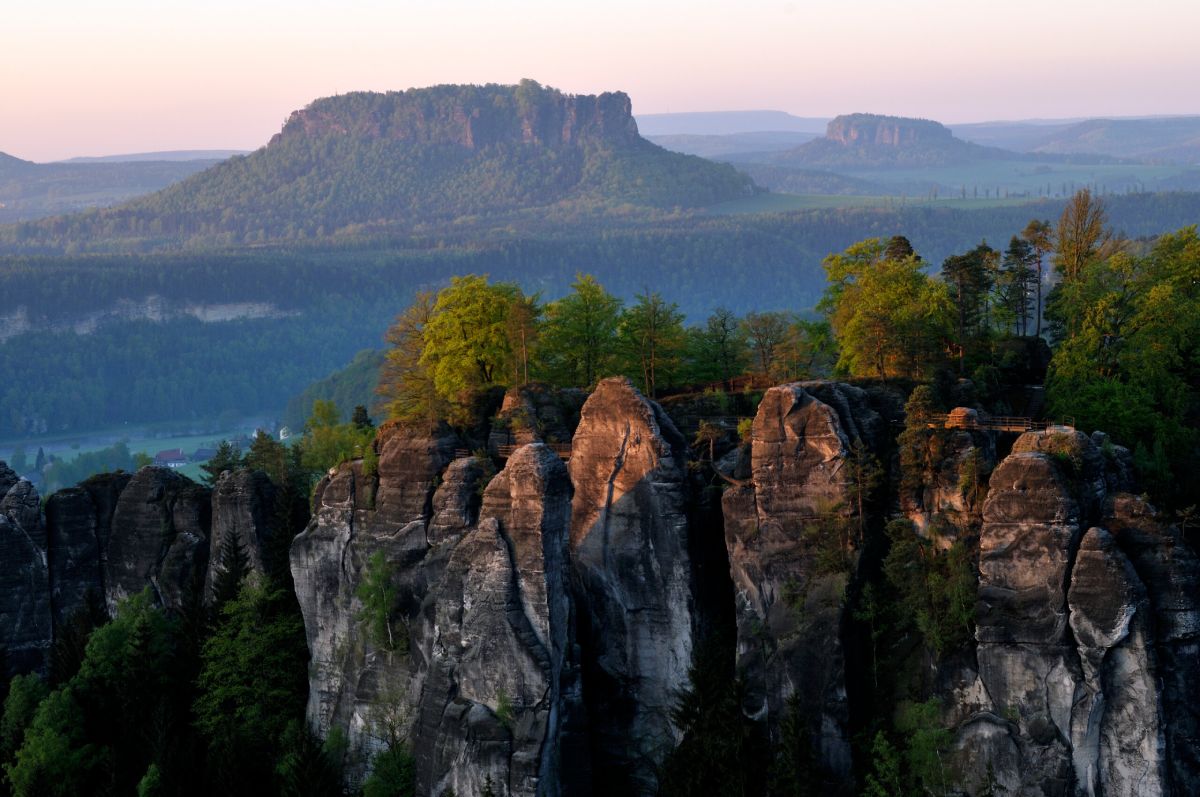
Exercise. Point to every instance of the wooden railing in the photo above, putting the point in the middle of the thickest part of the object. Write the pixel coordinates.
(505, 451)
(1000, 423)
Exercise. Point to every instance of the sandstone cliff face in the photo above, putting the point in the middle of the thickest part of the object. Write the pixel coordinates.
(633, 576)
(472, 117)
(476, 676)
(493, 703)
(79, 526)
(161, 524)
(356, 684)
(25, 625)
(242, 504)
(885, 131)
(536, 413)
(789, 612)
(1069, 637)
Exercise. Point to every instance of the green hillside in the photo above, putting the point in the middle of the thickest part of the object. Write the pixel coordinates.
(403, 161)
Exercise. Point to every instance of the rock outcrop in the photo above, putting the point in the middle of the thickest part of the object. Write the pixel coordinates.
(79, 526)
(25, 624)
(493, 705)
(476, 657)
(356, 683)
(796, 494)
(1070, 637)
(242, 505)
(634, 580)
(161, 523)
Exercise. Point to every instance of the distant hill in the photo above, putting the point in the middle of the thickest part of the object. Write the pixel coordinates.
(34, 190)
(732, 145)
(421, 158)
(1173, 140)
(723, 123)
(868, 141)
(169, 155)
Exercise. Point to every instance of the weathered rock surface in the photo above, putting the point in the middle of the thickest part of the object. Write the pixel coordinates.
(535, 413)
(492, 706)
(1072, 644)
(953, 495)
(633, 576)
(78, 528)
(1117, 739)
(25, 624)
(789, 612)
(356, 683)
(1170, 571)
(160, 539)
(242, 505)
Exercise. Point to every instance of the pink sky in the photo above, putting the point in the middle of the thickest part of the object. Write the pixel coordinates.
(86, 78)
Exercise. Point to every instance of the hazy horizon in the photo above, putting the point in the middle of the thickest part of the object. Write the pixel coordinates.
(133, 76)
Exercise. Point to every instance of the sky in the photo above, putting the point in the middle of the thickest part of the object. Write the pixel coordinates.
(80, 77)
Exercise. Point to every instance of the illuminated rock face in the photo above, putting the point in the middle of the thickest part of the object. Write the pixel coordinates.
(789, 610)
(633, 574)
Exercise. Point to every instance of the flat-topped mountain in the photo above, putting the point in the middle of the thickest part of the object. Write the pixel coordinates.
(866, 140)
(367, 161)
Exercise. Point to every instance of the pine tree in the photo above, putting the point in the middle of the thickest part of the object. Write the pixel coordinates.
(226, 458)
(232, 569)
(360, 418)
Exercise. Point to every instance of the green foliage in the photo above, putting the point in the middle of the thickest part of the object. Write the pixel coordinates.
(889, 318)
(124, 681)
(936, 589)
(651, 337)
(504, 709)
(253, 680)
(467, 340)
(307, 768)
(1128, 360)
(233, 565)
(716, 756)
(884, 779)
(151, 784)
(794, 769)
(378, 596)
(351, 386)
(226, 458)
(393, 774)
(25, 693)
(60, 473)
(327, 442)
(927, 744)
(580, 330)
(922, 442)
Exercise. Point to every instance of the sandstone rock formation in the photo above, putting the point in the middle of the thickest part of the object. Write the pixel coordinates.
(789, 611)
(492, 705)
(633, 576)
(242, 504)
(1070, 638)
(161, 526)
(25, 625)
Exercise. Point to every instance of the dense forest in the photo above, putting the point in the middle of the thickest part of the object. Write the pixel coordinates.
(333, 301)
